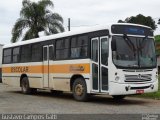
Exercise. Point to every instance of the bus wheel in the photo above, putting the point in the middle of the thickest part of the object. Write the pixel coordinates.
(79, 89)
(118, 97)
(25, 86)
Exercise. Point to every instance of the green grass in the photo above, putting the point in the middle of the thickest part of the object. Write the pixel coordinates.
(155, 95)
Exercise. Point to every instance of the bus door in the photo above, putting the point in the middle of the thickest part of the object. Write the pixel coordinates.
(99, 56)
(48, 51)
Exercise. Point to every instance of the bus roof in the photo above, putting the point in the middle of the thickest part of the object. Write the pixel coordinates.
(69, 33)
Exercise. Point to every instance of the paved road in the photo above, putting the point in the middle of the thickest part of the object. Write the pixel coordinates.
(12, 101)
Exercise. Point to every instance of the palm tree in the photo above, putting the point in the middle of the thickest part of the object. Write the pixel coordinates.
(35, 17)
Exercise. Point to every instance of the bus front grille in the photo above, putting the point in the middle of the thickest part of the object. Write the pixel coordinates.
(138, 78)
(134, 70)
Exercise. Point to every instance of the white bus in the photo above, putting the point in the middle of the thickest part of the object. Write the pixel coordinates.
(116, 59)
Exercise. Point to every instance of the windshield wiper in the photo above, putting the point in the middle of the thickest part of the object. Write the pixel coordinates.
(129, 43)
(143, 43)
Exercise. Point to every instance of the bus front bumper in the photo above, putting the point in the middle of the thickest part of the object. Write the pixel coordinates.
(128, 89)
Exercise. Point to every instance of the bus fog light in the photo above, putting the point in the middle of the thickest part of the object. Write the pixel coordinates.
(117, 78)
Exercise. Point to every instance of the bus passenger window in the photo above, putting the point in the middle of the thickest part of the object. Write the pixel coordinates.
(75, 52)
(62, 48)
(16, 55)
(25, 53)
(36, 52)
(79, 47)
(7, 56)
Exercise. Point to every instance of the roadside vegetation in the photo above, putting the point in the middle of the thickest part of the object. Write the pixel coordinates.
(142, 20)
(157, 43)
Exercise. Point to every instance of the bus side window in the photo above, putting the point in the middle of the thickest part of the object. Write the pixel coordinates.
(62, 49)
(25, 53)
(79, 47)
(7, 56)
(36, 52)
(16, 54)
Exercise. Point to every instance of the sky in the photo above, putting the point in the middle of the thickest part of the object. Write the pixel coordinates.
(83, 13)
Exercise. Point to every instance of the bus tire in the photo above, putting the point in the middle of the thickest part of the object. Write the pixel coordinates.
(25, 86)
(79, 90)
(118, 97)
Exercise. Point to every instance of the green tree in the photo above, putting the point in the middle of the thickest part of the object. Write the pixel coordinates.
(143, 20)
(121, 21)
(34, 18)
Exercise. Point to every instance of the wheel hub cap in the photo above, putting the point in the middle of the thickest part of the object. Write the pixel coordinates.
(79, 89)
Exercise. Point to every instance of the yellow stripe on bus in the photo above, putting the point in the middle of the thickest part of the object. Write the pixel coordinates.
(63, 68)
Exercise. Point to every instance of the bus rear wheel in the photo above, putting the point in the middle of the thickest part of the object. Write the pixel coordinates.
(79, 89)
(25, 86)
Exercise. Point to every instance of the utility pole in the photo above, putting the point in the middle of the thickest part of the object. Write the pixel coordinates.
(69, 24)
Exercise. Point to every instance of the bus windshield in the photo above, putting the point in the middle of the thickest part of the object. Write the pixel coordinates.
(133, 52)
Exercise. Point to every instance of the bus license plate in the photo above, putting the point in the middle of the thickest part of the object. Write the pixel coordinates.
(139, 91)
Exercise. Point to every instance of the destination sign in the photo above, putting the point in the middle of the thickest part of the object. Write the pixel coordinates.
(132, 30)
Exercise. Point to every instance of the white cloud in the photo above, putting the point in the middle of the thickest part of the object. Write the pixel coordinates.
(9, 12)
(81, 12)
(97, 12)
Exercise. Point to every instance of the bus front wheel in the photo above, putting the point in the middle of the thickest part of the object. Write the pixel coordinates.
(79, 89)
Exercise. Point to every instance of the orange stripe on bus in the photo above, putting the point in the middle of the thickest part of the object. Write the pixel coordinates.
(63, 68)
(22, 69)
(73, 68)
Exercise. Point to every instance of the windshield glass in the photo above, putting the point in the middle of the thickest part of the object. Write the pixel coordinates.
(133, 52)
